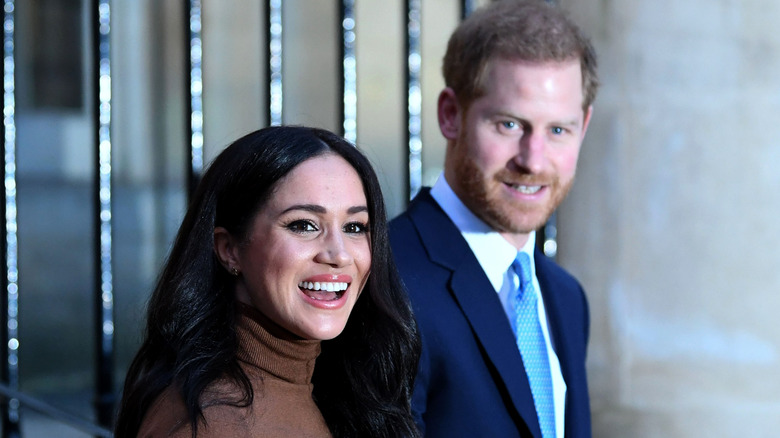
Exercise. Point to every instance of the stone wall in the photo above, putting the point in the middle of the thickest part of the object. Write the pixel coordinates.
(672, 224)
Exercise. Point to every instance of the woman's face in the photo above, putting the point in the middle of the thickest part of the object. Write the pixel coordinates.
(308, 253)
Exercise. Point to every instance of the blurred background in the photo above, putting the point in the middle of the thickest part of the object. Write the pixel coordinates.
(671, 226)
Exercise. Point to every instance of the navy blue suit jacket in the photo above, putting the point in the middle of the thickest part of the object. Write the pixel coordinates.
(471, 381)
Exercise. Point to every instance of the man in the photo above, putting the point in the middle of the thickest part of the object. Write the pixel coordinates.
(520, 80)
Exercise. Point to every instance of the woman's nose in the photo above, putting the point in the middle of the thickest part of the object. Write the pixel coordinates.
(334, 251)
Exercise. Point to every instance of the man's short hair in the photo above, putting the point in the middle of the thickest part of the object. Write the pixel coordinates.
(532, 31)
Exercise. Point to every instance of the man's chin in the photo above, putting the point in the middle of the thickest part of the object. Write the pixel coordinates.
(527, 229)
(506, 222)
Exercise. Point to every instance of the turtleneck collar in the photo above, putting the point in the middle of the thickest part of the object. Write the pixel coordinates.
(271, 348)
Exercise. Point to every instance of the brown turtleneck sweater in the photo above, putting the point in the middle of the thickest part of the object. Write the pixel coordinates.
(280, 368)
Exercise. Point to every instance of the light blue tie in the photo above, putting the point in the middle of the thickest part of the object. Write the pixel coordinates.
(533, 349)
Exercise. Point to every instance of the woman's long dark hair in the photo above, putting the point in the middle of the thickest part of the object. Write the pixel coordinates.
(362, 379)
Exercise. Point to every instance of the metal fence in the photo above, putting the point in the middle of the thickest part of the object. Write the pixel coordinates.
(100, 13)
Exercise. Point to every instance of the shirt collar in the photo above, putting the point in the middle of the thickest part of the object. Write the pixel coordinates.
(492, 251)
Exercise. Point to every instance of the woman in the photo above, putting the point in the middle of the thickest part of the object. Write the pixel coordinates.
(270, 271)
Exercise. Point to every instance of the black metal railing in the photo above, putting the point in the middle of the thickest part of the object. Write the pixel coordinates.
(11, 398)
(104, 281)
(53, 412)
(10, 299)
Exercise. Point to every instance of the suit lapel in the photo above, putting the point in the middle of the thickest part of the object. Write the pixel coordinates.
(477, 300)
(551, 304)
(557, 317)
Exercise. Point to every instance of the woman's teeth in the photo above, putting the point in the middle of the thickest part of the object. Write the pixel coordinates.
(324, 286)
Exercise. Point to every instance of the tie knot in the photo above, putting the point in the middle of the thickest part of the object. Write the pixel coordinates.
(522, 266)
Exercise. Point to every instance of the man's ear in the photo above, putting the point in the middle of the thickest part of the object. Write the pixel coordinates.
(586, 121)
(226, 248)
(449, 114)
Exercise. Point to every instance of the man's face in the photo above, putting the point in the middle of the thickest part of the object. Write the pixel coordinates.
(512, 154)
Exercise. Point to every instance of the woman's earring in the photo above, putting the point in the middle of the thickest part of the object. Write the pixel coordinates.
(234, 270)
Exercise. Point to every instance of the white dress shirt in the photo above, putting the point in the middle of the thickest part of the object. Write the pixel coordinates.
(495, 254)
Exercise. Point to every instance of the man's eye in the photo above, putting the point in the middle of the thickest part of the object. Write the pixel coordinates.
(557, 130)
(301, 226)
(509, 127)
(355, 228)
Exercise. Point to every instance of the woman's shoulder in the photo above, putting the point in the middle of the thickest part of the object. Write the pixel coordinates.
(277, 409)
(166, 417)
(223, 414)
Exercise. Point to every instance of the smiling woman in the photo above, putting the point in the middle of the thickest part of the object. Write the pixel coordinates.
(307, 255)
(270, 273)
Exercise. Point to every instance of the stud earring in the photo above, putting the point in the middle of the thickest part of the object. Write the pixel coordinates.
(234, 270)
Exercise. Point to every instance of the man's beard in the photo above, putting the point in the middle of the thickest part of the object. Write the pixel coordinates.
(504, 215)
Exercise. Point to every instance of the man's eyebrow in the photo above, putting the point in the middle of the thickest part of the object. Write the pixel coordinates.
(573, 122)
(506, 114)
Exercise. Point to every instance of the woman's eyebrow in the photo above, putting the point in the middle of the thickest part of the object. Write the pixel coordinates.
(306, 207)
(314, 208)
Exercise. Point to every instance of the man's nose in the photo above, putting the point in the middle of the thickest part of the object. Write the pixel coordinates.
(530, 154)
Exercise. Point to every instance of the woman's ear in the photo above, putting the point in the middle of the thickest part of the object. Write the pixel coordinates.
(226, 249)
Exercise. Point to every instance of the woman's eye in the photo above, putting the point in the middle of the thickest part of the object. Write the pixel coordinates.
(301, 226)
(355, 228)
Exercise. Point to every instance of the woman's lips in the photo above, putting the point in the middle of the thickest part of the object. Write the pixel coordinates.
(326, 290)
